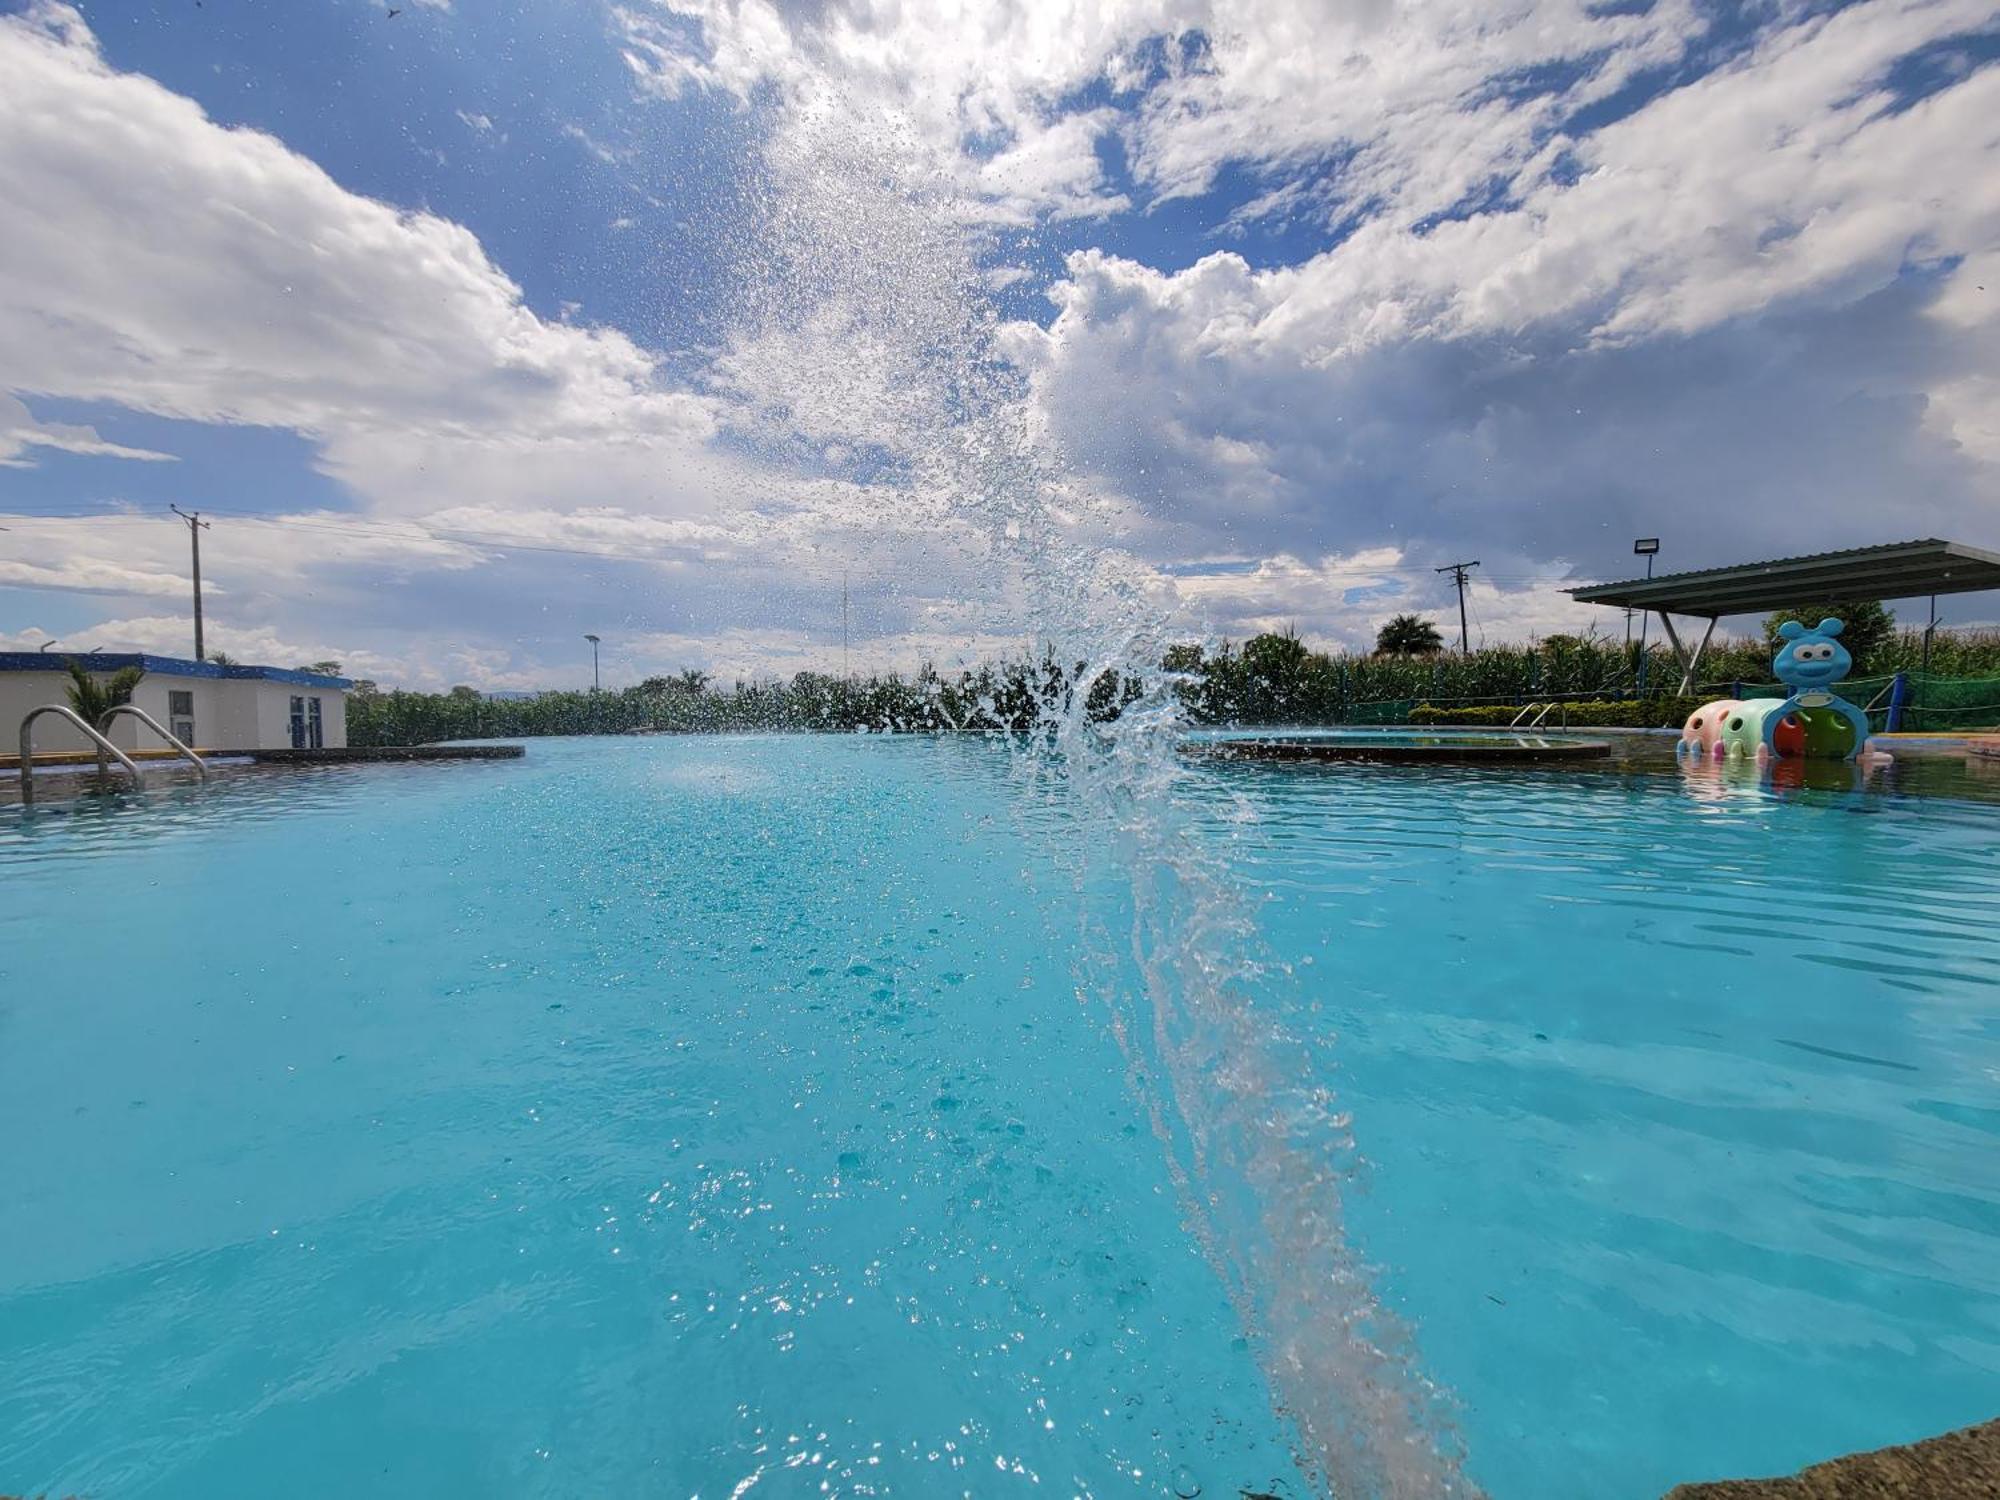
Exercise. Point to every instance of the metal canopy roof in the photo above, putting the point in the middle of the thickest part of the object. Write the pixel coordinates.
(1896, 570)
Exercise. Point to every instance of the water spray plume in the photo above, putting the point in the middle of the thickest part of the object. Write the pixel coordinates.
(864, 323)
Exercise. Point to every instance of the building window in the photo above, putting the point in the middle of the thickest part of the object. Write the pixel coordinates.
(298, 722)
(180, 714)
(315, 726)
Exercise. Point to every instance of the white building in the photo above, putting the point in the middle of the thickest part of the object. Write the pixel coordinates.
(209, 706)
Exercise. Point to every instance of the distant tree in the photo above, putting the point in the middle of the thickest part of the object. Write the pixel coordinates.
(1409, 635)
(322, 668)
(93, 699)
(222, 658)
(1275, 657)
(465, 694)
(1866, 626)
(653, 687)
(1184, 657)
(694, 681)
(1273, 675)
(365, 687)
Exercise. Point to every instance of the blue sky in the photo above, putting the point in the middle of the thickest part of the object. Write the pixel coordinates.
(478, 327)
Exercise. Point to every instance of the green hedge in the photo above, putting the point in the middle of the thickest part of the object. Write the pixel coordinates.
(1655, 713)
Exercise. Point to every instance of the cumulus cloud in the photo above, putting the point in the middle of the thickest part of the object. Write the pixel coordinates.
(1410, 107)
(1578, 273)
(1748, 317)
(19, 431)
(261, 291)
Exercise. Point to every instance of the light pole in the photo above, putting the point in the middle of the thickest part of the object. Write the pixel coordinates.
(595, 685)
(1647, 547)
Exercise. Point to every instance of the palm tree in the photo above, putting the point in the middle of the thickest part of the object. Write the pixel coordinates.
(92, 699)
(694, 681)
(1409, 635)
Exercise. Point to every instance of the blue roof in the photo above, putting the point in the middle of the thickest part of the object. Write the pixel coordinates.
(162, 666)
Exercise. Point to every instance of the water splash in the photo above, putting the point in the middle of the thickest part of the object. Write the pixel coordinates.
(864, 328)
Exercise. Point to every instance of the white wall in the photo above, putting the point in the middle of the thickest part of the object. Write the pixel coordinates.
(274, 714)
(230, 713)
(210, 697)
(336, 718)
(22, 691)
(235, 722)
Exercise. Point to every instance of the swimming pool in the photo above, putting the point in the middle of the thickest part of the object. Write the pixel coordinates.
(1399, 743)
(681, 1115)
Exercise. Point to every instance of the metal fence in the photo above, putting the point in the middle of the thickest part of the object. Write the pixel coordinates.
(1907, 702)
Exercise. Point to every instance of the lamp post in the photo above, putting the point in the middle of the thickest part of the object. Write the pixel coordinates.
(1647, 547)
(595, 685)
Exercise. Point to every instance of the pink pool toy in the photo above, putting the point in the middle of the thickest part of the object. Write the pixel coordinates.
(1702, 734)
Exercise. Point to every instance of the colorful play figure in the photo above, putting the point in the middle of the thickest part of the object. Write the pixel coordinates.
(1731, 727)
(1812, 723)
(1759, 722)
(1809, 663)
(1702, 734)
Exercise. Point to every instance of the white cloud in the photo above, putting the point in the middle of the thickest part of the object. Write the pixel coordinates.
(262, 292)
(1343, 599)
(20, 431)
(1714, 330)
(1198, 85)
(170, 635)
(1733, 306)
(1964, 406)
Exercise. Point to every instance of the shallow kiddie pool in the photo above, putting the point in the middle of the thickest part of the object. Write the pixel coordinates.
(694, 1116)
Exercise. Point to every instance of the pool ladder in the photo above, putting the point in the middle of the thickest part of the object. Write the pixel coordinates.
(1546, 709)
(106, 751)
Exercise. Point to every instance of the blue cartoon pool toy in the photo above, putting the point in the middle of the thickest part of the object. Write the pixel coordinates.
(1809, 663)
(1812, 723)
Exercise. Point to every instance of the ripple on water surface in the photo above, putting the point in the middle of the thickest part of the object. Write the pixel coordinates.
(663, 1116)
(638, 1117)
(1681, 1111)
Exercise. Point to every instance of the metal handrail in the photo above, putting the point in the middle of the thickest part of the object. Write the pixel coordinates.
(104, 723)
(104, 747)
(1546, 709)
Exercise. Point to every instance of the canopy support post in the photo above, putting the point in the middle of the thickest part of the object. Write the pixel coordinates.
(1688, 662)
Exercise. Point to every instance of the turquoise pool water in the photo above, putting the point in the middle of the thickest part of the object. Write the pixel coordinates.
(729, 1117)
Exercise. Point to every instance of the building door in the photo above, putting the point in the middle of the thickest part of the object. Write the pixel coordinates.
(298, 722)
(180, 714)
(315, 726)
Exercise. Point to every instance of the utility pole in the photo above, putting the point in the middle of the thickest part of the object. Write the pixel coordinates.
(1457, 570)
(596, 684)
(196, 526)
